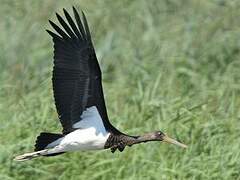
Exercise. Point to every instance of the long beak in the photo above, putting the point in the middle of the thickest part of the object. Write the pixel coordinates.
(173, 141)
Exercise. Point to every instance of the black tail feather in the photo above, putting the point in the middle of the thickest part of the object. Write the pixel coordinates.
(44, 139)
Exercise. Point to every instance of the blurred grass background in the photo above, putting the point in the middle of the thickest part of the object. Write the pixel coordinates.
(171, 65)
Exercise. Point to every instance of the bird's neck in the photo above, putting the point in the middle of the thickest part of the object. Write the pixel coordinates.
(140, 139)
(120, 141)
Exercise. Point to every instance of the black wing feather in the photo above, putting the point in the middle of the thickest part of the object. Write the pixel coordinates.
(77, 82)
(59, 30)
(54, 36)
(88, 35)
(72, 24)
(79, 22)
(65, 26)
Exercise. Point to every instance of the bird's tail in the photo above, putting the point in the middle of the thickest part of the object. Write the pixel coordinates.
(42, 147)
(45, 138)
(29, 156)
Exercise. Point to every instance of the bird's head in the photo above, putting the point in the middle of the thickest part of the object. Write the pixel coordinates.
(160, 136)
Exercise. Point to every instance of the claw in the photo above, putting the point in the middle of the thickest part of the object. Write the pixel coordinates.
(113, 149)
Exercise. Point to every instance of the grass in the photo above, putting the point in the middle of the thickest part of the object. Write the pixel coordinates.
(171, 65)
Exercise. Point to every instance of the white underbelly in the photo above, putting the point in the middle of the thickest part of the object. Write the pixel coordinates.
(82, 139)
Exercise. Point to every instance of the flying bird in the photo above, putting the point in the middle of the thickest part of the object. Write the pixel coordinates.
(79, 98)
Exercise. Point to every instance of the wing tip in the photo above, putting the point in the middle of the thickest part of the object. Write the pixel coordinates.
(74, 9)
(52, 23)
(83, 28)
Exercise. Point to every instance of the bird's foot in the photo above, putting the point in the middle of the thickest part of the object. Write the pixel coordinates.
(120, 146)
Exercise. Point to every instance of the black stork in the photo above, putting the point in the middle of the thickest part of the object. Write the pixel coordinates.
(79, 99)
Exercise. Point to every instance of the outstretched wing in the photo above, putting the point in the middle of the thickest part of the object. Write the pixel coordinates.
(76, 79)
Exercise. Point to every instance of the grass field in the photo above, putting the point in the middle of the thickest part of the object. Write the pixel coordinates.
(172, 65)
